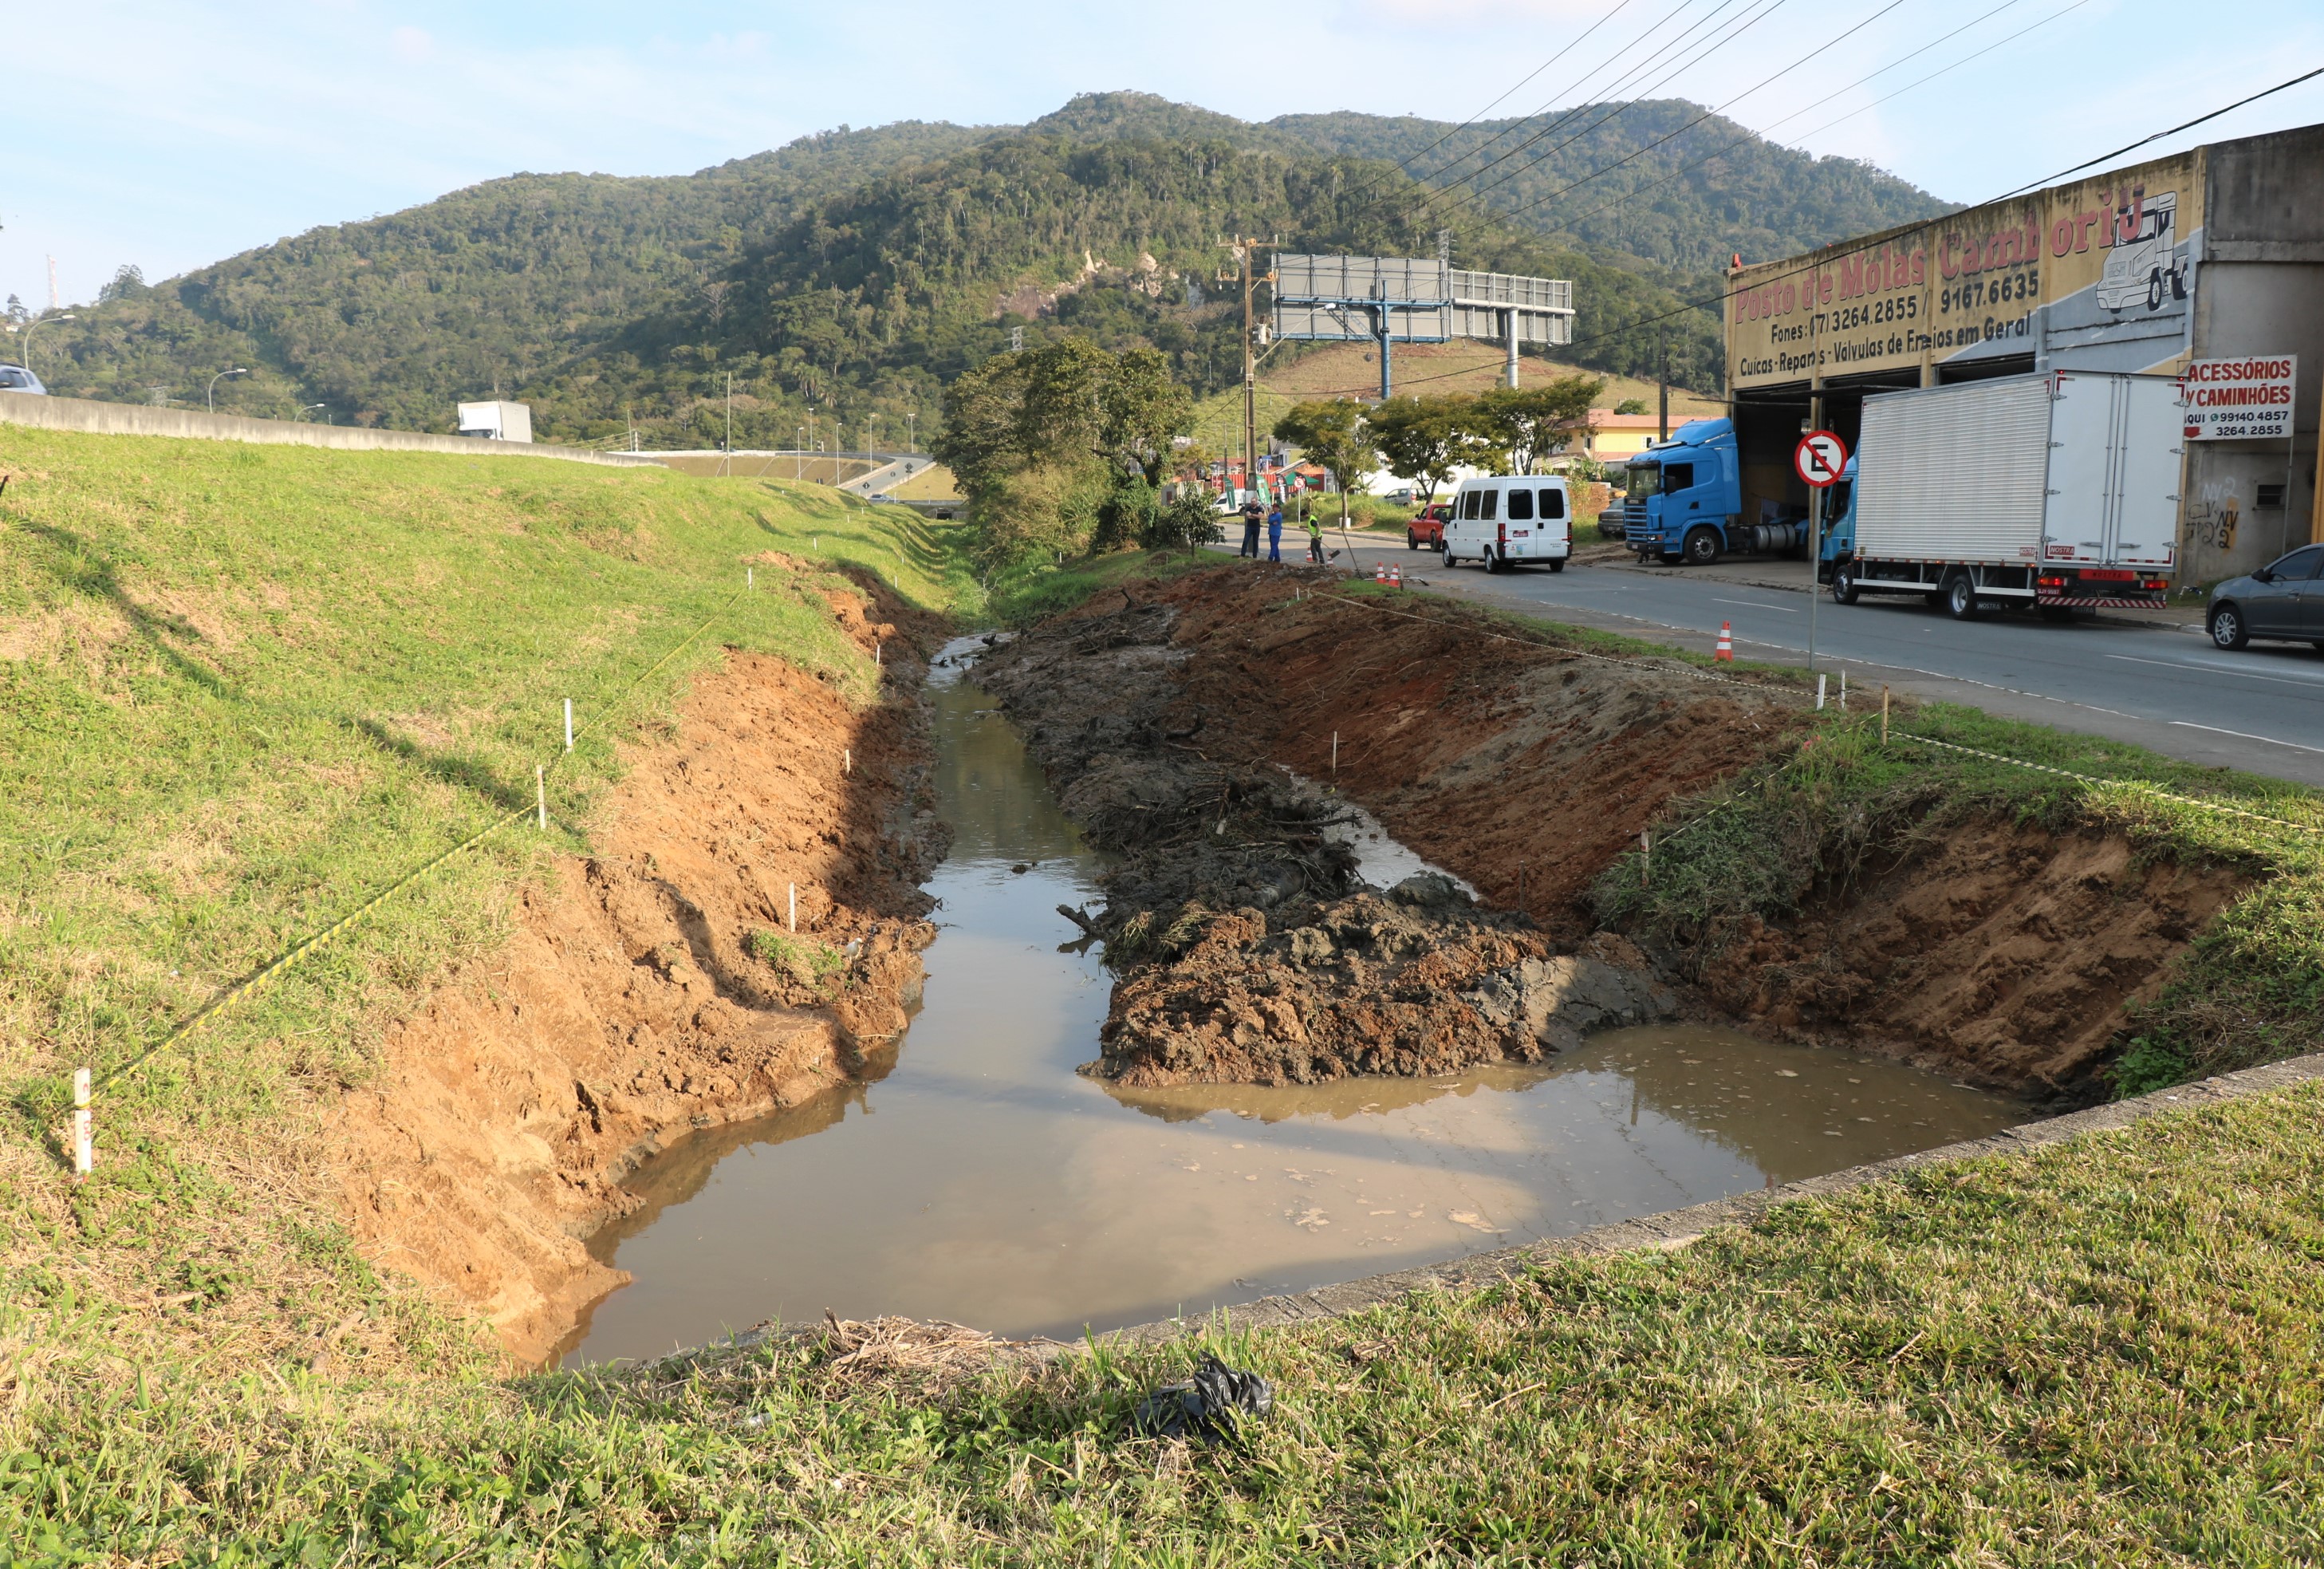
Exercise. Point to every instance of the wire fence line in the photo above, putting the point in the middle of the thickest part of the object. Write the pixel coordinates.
(276, 967)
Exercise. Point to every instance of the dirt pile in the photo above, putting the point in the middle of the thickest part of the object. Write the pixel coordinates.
(2003, 951)
(657, 988)
(1247, 950)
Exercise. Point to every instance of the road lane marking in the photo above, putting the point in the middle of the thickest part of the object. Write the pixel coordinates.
(1755, 605)
(2245, 736)
(2241, 675)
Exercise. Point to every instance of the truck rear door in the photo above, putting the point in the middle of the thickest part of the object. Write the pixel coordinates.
(2113, 471)
(2146, 519)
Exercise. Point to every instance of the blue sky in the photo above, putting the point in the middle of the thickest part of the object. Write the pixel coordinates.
(171, 132)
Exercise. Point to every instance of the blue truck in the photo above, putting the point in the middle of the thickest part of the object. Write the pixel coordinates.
(1684, 501)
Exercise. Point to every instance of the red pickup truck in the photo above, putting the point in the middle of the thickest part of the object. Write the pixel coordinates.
(1426, 532)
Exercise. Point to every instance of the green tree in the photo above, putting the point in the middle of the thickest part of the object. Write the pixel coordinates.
(1631, 406)
(1332, 432)
(1426, 438)
(1530, 423)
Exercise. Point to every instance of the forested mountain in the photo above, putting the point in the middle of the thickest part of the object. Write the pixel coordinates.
(848, 275)
(1659, 180)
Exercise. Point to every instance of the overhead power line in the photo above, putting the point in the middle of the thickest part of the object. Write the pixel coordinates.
(1690, 55)
(1570, 224)
(1761, 85)
(1689, 307)
(1578, 40)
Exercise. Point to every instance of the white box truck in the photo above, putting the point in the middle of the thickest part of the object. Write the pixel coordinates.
(2058, 491)
(496, 421)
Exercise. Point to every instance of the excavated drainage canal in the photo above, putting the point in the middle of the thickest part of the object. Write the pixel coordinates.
(976, 1178)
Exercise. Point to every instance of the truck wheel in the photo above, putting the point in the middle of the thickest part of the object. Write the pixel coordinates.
(1843, 584)
(1448, 557)
(1701, 548)
(1960, 596)
(2227, 628)
(2154, 290)
(1493, 562)
(1558, 564)
(1411, 540)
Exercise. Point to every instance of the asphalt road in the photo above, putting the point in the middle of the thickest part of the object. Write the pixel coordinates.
(2261, 710)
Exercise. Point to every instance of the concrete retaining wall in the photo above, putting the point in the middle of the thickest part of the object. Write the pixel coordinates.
(88, 415)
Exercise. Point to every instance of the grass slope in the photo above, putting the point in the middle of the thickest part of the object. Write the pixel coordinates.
(242, 688)
(2104, 1354)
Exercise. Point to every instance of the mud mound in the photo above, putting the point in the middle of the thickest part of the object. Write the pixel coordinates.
(1247, 951)
(639, 998)
(2004, 952)
(1369, 985)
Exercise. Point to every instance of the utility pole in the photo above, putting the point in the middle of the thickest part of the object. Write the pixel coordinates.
(1662, 353)
(1245, 250)
(727, 459)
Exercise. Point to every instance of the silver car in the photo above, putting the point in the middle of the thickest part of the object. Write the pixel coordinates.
(17, 379)
(2283, 599)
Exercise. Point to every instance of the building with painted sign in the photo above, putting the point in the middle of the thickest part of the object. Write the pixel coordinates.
(2207, 265)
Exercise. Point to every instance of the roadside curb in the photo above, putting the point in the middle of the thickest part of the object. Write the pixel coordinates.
(1676, 1228)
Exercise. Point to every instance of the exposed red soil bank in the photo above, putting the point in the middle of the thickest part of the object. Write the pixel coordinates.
(2004, 952)
(629, 1007)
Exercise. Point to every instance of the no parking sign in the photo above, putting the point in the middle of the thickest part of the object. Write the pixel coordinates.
(1820, 457)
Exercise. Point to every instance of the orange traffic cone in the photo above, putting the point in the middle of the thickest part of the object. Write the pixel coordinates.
(1726, 643)
(1379, 572)
(1396, 576)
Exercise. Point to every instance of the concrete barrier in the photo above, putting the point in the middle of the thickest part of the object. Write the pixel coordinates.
(92, 417)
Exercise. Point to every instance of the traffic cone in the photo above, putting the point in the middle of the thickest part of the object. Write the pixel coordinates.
(1380, 573)
(1726, 643)
(1396, 576)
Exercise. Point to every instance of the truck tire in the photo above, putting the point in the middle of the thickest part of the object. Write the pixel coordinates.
(1843, 584)
(1558, 564)
(1449, 558)
(1959, 596)
(1493, 562)
(1701, 547)
(2227, 626)
(1411, 540)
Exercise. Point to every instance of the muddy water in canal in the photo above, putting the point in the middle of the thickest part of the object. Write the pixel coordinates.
(975, 1176)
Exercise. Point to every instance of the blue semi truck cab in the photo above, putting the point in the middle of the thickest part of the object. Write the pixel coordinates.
(1684, 501)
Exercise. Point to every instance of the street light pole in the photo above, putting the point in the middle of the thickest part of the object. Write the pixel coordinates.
(209, 394)
(36, 326)
(310, 407)
(798, 450)
(912, 432)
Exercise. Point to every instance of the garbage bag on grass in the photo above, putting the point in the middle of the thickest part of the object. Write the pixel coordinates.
(1208, 1407)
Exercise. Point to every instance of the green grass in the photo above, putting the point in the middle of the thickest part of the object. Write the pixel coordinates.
(1025, 594)
(2249, 988)
(242, 688)
(804, 957)
(2108, 1352)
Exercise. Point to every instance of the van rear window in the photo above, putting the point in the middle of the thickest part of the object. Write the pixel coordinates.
(1520, 506)
(1552, 502)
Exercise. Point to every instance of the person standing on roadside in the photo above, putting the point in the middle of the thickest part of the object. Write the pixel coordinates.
(1275, 532)
(1315, 532)
(1254, 512)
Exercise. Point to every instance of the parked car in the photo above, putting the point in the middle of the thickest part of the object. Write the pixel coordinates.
(1426, 532)
(17, 379)
(1506, 521)
(2284, 599)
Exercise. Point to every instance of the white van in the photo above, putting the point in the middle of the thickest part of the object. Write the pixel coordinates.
(1507, 520)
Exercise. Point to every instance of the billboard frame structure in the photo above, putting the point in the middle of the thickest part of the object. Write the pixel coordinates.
(1392, 300)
